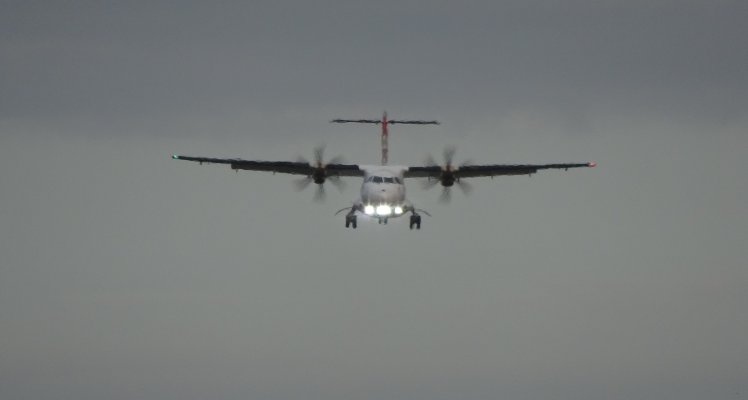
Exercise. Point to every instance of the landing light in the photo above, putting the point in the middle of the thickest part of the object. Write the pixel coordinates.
(384, 210)
(369, 210)
(398, 210)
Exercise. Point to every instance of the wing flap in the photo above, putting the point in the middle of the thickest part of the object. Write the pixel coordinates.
(423, 172)
(284, 167)
(472, 171)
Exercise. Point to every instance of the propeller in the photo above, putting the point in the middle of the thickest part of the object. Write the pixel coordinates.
(447, 177)
(319, 174)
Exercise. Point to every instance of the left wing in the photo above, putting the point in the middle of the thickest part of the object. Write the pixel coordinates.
(473, 171)
(284, 167)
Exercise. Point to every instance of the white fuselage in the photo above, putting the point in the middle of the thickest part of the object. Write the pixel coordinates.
(383, 192)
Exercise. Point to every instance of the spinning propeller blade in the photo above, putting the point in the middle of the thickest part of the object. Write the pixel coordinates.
(319, 174)
(447, 178)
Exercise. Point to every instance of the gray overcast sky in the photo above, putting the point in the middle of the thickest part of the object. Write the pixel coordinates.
(127, 275)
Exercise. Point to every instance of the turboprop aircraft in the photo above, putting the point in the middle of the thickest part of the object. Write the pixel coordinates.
(383, 193)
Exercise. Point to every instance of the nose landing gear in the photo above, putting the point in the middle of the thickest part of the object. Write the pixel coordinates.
(350, 219)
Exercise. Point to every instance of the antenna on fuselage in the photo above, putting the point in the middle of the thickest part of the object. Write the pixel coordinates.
(385, 134)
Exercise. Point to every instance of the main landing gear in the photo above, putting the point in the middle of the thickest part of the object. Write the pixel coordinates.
(350, 219)
(415, 219)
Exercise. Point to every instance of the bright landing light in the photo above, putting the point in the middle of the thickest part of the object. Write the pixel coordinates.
(384, 210)
(398, 210)
(369, 210)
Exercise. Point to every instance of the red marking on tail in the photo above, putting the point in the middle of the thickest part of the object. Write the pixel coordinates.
(385, 134)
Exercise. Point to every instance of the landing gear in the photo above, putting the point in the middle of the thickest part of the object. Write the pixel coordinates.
(383, 221)
(350, 220)
(415, 219)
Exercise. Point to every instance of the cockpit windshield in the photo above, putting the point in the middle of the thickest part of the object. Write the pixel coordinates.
(386, 179)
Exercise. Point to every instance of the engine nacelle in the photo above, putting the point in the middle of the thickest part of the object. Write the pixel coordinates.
(319, 176)
(447, 179)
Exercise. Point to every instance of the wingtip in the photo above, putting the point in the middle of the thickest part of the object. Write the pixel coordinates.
(174, 156)
(592, 164)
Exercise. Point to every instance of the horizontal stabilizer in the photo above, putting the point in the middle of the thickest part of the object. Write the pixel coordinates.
(358, 121)
(376, 121)
(416, 122)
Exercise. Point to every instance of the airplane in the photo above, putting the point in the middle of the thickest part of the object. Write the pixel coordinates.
(383, 194)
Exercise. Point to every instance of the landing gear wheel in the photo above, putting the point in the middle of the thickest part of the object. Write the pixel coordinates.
(415, 220)
(350, 220)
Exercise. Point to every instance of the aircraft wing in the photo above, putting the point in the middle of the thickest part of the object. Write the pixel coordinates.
(284, 167)
(473, 171)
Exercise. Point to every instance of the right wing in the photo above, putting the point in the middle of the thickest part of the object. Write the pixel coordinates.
(473, 171)
(284, 167)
